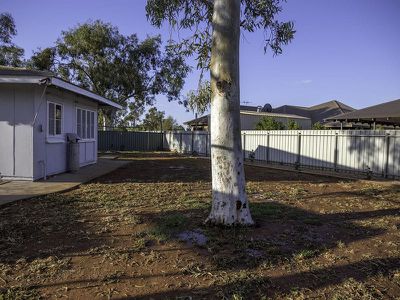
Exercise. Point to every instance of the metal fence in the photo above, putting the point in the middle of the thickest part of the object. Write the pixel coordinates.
(356, 151)
(130, 141)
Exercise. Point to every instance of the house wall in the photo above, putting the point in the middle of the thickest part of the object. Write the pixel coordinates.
(52, 152)
(249, 122)
(16, 143)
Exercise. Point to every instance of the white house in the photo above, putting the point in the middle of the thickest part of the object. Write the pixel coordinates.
(37, 110)
(249, 120)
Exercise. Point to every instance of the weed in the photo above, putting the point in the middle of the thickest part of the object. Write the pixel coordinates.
(305, 254)
(354, 290)
(48, 267)
(113, 278)
(270, 210)
(17, 293)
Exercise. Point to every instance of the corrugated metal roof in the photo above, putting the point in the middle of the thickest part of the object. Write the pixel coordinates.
(22, 75)
(317, 113)
(267, 114)
(198, 121)
(204, 119)
(383, 111)
(24, 72)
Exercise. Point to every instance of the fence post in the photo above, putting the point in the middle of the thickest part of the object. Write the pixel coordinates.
(267, 158)
(162, 140)
(297, 166)
(206, 144)
(336, 152)
(244, 146)
(148, 140)
(192, 142)
(180, 142)
(387, 142)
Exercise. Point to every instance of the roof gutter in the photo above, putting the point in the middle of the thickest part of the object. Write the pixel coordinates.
(81, 91)
(49, 80)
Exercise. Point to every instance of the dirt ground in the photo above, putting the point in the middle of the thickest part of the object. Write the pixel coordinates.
(138, 233)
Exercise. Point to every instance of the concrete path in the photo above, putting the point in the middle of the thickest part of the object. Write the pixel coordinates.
(19, 190)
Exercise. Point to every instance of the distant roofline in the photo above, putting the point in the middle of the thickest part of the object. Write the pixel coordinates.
(254, 113)
(371, 113)
(272, 114)
(295, 106)
(311, 108)
(20, 75)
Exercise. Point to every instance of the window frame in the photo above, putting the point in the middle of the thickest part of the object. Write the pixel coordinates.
(55, 135)
(84, 126)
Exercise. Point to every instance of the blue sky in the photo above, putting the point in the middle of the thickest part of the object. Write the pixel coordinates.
(347, 50)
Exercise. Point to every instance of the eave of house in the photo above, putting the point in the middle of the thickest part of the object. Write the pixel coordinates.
(57, 82)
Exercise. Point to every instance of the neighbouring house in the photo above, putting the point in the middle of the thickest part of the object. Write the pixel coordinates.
(37, 110)
(304, 116)
(249, 120)
(385, 115)
(317, 113)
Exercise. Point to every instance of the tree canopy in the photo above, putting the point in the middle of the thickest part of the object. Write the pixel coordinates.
(199, 100)
(155, 120)
(96, 56)
(195, 16)
(10, 54)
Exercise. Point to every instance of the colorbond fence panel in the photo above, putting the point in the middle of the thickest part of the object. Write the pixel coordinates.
(357, 151)
(129, 141)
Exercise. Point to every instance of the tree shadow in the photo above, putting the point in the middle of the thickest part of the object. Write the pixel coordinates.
(52, 225)
(283, 234)
(166, 168)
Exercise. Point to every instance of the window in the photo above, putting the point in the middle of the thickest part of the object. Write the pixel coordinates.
(85, 123)
(54, 119)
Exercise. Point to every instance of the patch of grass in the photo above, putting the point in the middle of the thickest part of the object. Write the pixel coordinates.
(113, 278)
(17, 293)
(158, 234)
(195, 270)
(294, 214)
(352, 289)
(139, 244)
(151, 257)
(166, 227)
(173, 221)
(340, 244)
(134, 220)
(312, 221)
(270, 210)
(193, 203)
(243, 284)
(305, 254)
(48, 267)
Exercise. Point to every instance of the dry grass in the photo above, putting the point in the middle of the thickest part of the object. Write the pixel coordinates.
(118, 237)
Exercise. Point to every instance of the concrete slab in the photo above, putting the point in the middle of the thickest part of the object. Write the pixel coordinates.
(19, 190)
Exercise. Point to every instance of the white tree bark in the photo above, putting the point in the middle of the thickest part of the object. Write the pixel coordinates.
(230, 205)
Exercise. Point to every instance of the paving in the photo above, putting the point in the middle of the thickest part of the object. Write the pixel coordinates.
(19, 190)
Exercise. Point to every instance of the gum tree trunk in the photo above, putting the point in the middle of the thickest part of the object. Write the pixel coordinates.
(229, 206)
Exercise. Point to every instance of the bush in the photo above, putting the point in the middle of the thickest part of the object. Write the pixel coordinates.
(268, 123)
(292, 125)
(318, 126)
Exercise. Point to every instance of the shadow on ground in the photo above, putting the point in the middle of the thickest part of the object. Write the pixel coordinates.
(291, 248)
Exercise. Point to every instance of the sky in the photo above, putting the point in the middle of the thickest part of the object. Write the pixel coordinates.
(347, 50)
